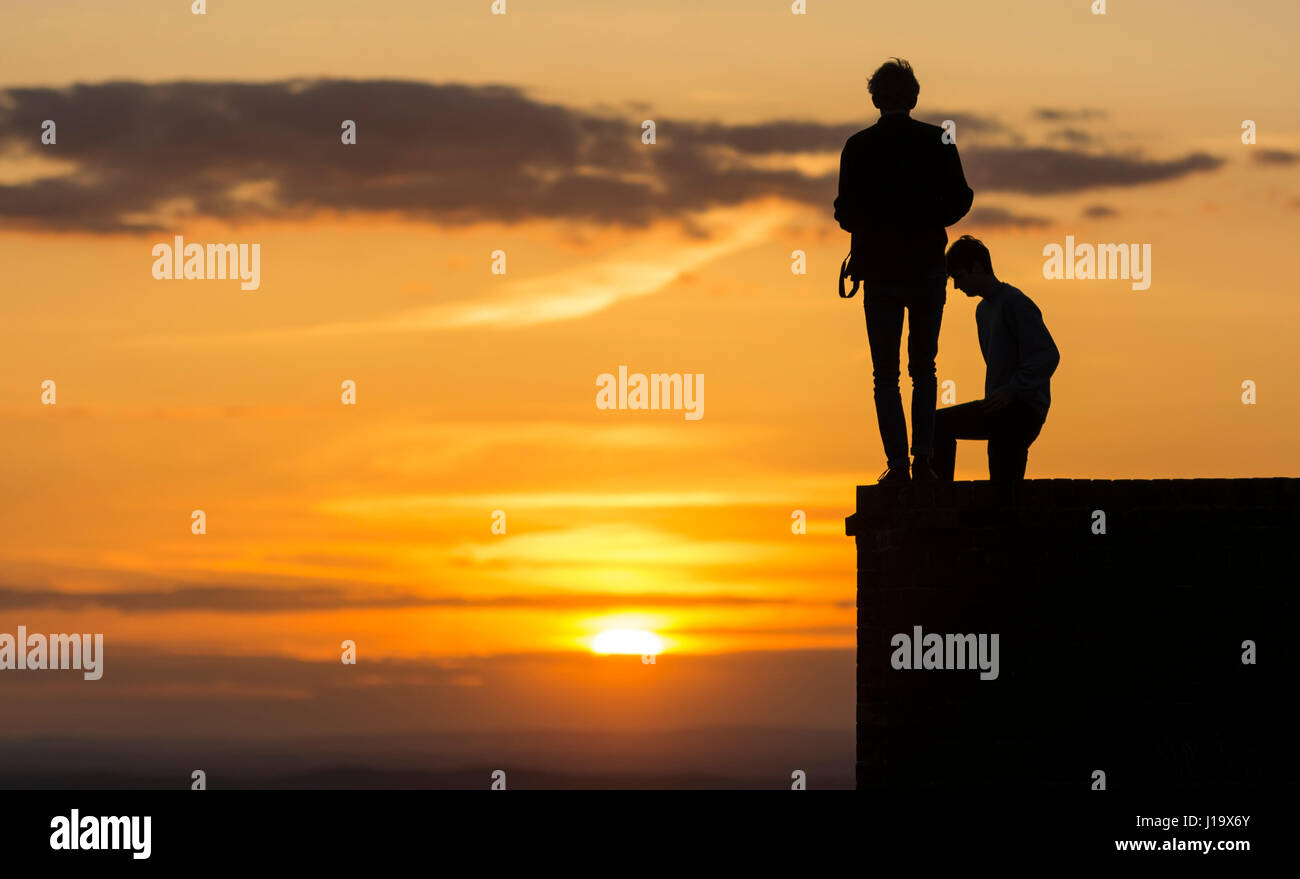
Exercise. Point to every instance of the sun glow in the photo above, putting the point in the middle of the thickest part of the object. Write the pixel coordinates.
(627, 641)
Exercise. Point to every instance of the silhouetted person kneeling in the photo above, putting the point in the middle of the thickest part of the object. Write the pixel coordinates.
(1019, 359)
(901, 184)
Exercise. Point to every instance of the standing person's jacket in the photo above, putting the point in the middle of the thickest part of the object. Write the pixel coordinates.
(900, 187)
(1019, 354)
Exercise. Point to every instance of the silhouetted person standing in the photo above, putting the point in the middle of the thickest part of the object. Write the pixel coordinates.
(900, 187)
(1019, 359)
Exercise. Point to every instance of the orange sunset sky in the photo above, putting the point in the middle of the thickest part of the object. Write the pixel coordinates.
(476, 392)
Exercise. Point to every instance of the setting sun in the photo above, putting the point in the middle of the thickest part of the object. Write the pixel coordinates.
(627, 641)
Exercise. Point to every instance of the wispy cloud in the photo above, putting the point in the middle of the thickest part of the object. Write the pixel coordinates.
(405, 505)
(994, 217)
(1063, 114)
(639, 270)
(1275, 157)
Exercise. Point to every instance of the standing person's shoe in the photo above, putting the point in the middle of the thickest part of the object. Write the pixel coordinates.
(894, 476)
(922, 471)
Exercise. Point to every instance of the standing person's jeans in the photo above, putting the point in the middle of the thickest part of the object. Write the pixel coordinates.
(884, 303)
(1010, 431)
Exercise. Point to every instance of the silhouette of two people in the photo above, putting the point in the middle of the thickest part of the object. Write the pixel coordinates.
(901, 185)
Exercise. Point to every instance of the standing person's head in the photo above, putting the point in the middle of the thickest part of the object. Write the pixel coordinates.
(894, 87)
(971, 267)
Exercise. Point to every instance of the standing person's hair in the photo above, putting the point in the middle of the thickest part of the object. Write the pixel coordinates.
(893, 86)
(968, 252)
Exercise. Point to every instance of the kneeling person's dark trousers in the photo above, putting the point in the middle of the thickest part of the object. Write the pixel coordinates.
(1010, 431)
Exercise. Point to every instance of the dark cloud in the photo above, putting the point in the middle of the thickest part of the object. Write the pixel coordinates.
(1275, 157)
(448, 151)
(1052, 171)
(445, 152)
(1099, 211)
(241, 599)
(996, 216)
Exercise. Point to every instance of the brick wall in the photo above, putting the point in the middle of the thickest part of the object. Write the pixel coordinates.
(1119, 652)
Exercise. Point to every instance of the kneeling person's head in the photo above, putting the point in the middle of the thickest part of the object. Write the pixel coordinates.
(971, 267)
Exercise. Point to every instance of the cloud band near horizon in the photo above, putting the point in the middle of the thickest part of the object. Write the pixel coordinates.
(133, 157)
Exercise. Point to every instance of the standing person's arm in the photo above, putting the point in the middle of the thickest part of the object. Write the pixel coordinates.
(955, 196)
(848, 208)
